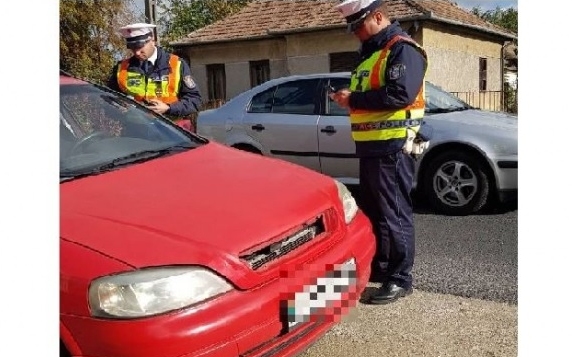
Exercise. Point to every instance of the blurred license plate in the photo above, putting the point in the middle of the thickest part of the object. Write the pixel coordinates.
(314, 300)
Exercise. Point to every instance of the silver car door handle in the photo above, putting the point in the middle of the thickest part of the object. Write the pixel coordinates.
(258, 127)
(329, 130)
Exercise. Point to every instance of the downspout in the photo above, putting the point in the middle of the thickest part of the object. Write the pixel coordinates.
(503, 89)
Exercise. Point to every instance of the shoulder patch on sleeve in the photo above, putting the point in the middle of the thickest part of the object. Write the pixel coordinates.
(189, 82)
(396, 71)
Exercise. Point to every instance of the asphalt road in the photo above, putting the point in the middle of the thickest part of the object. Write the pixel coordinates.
(472, 256)
(465, 299)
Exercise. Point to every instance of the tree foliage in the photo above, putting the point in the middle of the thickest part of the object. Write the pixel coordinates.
(181, 17)
(506, 18)
(89, 42)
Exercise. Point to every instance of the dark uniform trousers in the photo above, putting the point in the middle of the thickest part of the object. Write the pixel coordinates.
(385, 189)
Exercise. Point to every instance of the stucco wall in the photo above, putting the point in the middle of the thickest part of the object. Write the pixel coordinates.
(236, 80)
(241, 51)
(236, 57)
(454, 63)
(319, 43)
(199, 73)
(453, 58)
(309, 52)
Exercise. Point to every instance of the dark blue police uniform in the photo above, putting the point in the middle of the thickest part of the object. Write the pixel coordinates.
(188, 94)
(386, 172)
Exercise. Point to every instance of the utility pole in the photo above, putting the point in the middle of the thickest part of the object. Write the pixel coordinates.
(151, 16)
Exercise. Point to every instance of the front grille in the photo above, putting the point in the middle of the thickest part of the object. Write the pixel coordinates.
(278, 249)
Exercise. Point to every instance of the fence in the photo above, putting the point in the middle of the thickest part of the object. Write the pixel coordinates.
(491, 100)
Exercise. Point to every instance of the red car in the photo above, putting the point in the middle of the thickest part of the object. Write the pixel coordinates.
(174, 246)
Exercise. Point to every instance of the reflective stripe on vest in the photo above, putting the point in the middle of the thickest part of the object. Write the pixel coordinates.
(375, 125)
(134, 84)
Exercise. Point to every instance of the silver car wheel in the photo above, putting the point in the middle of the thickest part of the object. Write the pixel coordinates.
(455, 183)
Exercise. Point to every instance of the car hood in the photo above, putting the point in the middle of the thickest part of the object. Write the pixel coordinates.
(475, 117)
(204, 206)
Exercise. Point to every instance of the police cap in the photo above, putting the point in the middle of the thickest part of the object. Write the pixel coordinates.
(355, 11)
(137, 35)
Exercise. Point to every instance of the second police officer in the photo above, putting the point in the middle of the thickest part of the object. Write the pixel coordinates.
(155, 77)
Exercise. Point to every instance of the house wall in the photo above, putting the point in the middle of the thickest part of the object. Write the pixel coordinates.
(309, 52)
(453, 59)
(236, 57)
(454, 63)
(301, 53)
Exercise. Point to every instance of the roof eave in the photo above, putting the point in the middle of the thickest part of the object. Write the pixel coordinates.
(278, 33)
(218, 41)
(306, 29)
(474, 27)
(269, 34)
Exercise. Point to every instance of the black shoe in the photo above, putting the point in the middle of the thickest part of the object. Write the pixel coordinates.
(388, 293)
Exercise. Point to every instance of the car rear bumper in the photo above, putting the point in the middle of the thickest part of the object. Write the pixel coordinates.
(239, 323)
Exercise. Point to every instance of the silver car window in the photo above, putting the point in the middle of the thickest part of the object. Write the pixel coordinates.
(294, 97)
(262, 102)
(436, 98)
(334, 108)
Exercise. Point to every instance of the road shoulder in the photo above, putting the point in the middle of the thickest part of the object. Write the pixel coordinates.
(424, 324)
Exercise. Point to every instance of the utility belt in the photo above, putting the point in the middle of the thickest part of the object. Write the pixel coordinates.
(417, 142)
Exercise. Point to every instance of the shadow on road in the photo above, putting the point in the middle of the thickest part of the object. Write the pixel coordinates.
(367, 294)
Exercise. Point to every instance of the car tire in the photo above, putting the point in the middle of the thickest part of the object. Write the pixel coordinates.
(456, 183)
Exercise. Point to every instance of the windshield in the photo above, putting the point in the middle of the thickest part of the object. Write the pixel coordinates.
(101, 130)
(440, 101)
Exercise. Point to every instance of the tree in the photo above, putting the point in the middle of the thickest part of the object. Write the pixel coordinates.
(89, 42)
(506, 18)
(181, 17)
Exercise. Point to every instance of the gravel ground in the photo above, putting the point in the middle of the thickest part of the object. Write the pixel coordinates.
(465, 302)
(424, 324)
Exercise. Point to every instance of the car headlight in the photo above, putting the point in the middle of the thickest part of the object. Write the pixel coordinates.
(348, 202)
(153, 291)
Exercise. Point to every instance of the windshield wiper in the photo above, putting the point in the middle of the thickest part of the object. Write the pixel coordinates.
(142, 156)
(446, 110)
(460, 109)
(69, 176)
(136, 157)
(437, 110)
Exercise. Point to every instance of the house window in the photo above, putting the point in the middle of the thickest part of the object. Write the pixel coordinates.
(259, 72)
(482, 74)
(216, 81)
(343, 61)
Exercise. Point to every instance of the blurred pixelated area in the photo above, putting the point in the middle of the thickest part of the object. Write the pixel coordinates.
(326, 298)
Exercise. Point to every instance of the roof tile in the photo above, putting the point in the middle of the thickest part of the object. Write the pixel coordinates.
(262, 17)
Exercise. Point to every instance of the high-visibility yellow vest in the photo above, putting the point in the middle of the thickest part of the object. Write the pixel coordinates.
(376, 125)
(136, 85)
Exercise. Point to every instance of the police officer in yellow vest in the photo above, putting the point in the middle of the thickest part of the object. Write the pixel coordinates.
(155, 77)
(386, 103)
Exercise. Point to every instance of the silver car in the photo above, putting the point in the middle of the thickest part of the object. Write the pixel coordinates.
(472, 158)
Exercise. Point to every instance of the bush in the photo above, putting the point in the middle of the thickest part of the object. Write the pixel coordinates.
(510, 99)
